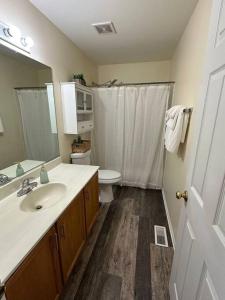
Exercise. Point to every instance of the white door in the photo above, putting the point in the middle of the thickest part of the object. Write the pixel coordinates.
(198, 270)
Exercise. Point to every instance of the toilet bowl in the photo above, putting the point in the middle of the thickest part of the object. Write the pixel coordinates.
(106, 178)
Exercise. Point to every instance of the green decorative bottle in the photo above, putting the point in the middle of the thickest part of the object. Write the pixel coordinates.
(19, 170)
(44, 175)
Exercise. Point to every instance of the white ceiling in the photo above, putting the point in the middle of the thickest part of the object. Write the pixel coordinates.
(146, 29)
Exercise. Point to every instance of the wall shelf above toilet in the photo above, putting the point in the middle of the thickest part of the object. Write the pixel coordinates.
(77, 105)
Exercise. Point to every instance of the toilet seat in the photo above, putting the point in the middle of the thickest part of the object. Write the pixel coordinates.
(108, 176)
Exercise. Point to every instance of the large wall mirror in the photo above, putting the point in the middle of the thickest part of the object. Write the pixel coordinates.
(28, 130)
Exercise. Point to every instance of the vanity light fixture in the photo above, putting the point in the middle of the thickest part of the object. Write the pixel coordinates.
(12, 35)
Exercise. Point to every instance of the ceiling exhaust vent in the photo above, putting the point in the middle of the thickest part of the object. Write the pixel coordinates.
(105, 27)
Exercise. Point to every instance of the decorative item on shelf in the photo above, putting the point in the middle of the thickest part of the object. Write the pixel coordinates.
(81, 146)
(109, 83)
(79, 78)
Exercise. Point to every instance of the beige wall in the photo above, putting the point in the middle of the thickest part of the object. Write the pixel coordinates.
(187, 71)
(52, 48)
(135, 72)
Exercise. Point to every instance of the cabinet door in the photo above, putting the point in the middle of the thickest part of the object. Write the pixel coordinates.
(72, 235)
(89, 102)
(80, 100)
(38, 277)
(91, 195)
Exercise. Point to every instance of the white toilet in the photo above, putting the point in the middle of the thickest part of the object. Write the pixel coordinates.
(106, 178)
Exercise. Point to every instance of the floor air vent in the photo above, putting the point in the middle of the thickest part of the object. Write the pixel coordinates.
(160, 236)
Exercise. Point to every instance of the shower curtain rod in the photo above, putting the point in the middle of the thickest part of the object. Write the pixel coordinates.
(138, 83)
(30, 88)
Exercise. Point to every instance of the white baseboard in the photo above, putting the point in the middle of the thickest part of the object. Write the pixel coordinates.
(168, 219)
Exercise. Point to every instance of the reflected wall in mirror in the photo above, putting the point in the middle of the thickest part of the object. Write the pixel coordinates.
(28, 130)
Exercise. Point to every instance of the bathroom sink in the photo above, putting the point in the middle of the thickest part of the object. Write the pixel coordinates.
(43, 197)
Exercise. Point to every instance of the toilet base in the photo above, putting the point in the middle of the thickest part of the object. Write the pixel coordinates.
(106, 193)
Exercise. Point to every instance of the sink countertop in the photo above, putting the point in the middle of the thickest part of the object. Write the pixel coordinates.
(20, 231)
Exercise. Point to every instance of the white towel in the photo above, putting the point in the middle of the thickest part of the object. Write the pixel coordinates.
(171, 116)
(176, 126)
(171, 123)
(172, 112)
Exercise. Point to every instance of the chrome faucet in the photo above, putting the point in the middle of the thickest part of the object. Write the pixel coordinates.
(27, 187)
(4, 179)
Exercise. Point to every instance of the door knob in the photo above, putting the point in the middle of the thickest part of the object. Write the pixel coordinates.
(183, 195)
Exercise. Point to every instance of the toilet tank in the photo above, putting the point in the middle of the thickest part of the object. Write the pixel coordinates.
(81, 158)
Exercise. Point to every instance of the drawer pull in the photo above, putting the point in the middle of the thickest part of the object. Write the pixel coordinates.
(54, 242)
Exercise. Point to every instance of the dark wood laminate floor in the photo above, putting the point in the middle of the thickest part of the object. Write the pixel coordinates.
(120, 260)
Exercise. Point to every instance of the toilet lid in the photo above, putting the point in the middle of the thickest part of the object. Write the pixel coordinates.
(108, 174)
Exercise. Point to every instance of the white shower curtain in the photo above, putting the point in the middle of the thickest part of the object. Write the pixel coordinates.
(128, 136)
(40, 142)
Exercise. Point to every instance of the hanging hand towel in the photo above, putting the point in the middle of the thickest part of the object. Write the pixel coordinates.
(174, 128)
(185, 125)
(171, 116)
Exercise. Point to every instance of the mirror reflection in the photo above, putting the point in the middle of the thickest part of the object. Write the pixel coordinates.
(28, 130)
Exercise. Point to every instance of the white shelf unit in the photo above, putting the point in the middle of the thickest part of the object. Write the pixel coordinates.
(77, 105)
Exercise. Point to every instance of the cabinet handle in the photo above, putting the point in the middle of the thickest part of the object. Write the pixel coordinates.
(62, 231)
(54, 242)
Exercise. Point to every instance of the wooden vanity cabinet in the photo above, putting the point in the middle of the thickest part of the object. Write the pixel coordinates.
(91, 197)
(71, 234)
(39, 276)
(43, 272)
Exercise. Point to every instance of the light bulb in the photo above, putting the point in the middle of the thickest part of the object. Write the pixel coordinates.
(29, 42)
(12, 31)
(23, 41)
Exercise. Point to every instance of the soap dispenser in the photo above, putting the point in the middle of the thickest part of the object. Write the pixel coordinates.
(44, 175)
(19, 170)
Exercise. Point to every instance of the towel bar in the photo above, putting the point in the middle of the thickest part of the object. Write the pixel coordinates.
(187, 110)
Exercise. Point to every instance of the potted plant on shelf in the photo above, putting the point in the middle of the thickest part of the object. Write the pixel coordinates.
(79, 78)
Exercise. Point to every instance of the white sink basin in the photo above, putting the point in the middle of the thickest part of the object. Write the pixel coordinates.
(43, 197)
